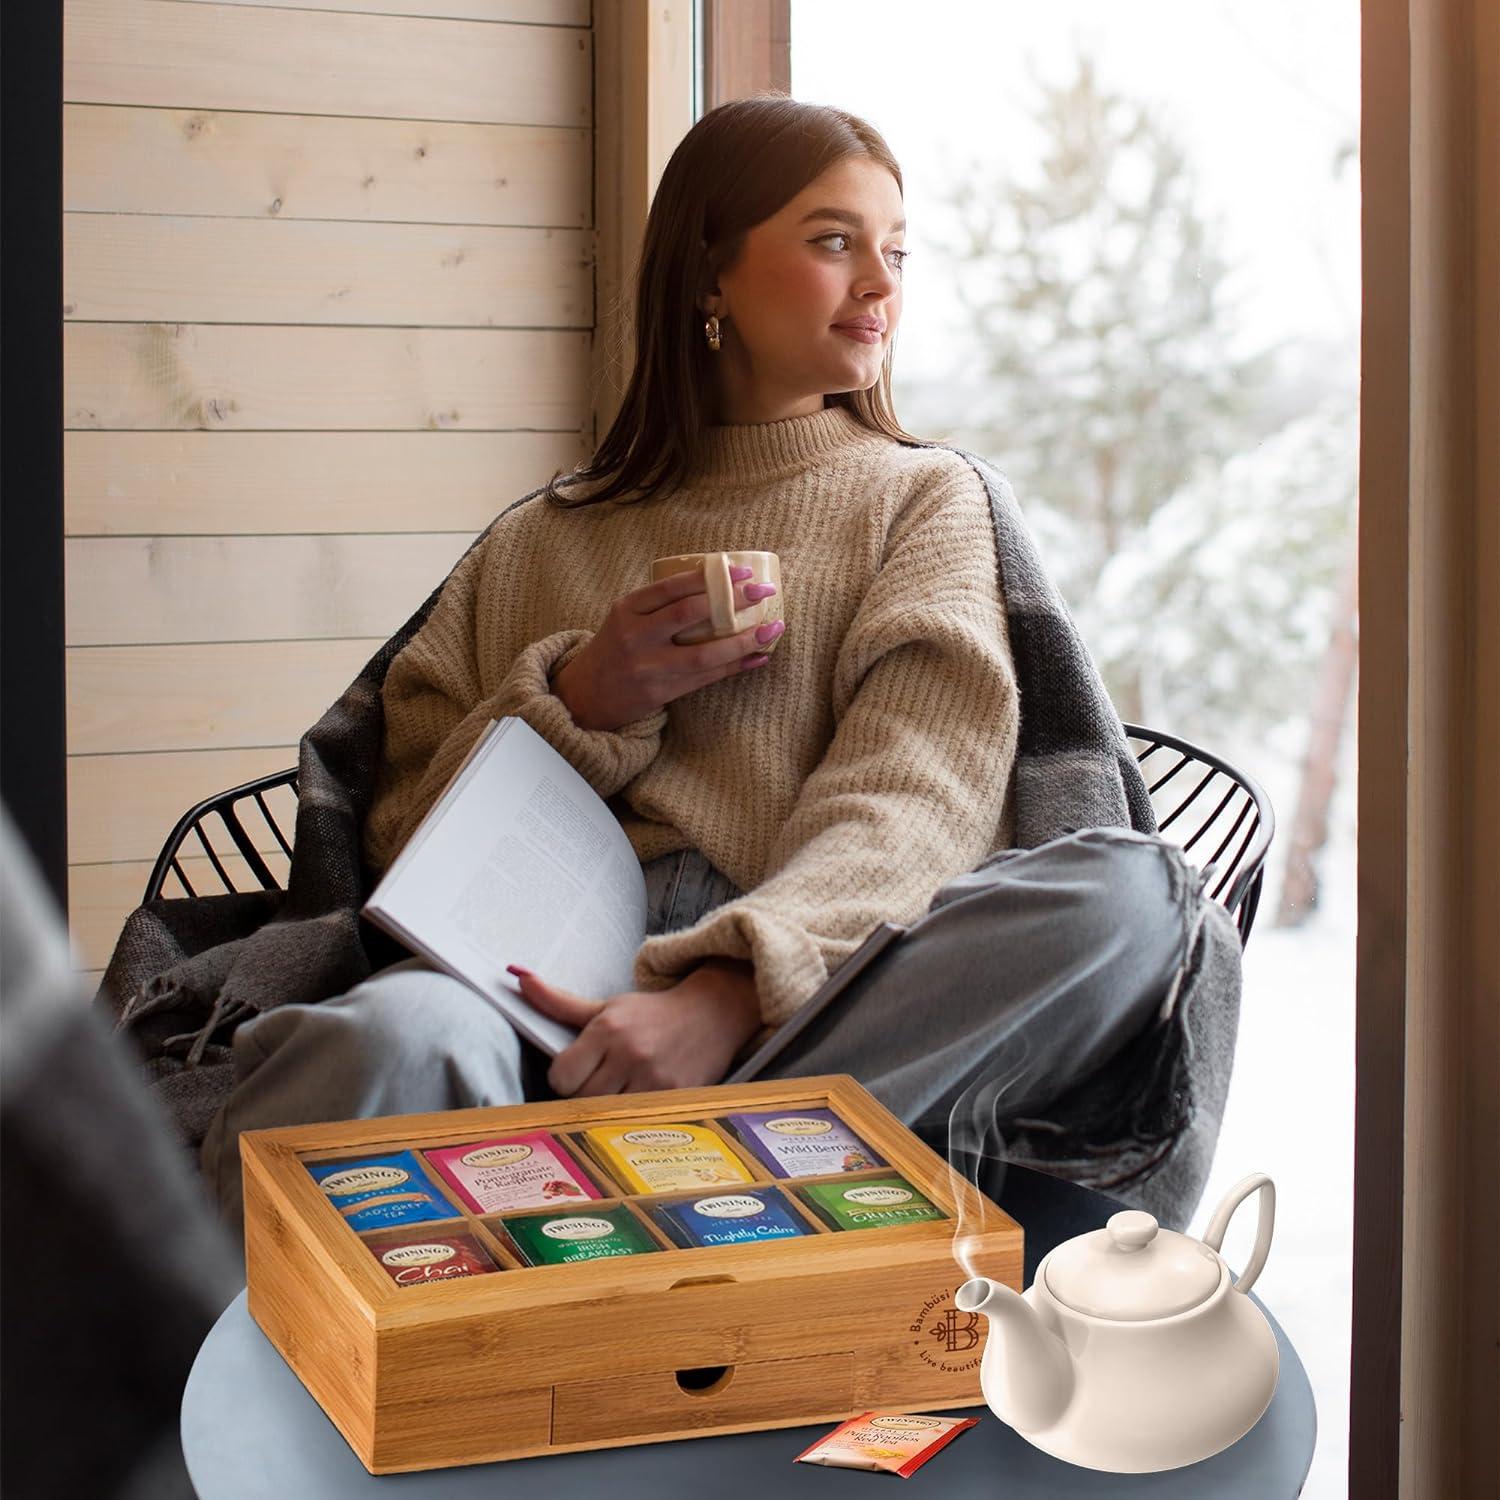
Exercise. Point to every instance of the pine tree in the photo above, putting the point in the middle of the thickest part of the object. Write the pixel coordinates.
(1193, 511)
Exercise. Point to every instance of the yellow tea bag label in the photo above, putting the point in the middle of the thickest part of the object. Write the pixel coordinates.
(660, 1158)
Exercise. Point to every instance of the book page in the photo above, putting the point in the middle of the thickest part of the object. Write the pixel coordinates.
(520, 861)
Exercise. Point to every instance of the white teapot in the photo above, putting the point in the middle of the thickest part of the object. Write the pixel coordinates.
(1134, 1349)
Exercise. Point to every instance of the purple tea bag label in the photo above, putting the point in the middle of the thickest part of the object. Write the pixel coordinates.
(804, 1142)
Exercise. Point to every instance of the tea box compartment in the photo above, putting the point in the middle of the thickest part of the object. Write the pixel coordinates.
(732, 1296)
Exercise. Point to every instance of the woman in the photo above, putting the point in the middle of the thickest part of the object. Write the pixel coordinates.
(781, 806)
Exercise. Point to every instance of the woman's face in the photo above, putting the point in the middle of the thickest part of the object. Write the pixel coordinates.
(825, 261)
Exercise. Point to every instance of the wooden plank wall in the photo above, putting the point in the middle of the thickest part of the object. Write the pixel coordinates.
(328, 303)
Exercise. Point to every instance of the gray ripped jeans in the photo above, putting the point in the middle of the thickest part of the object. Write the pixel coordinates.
(1032, 971)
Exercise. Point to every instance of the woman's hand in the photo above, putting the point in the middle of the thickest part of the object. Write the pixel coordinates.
(633, 666)
(683, 1037)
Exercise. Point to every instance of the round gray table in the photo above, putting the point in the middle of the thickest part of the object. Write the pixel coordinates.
(250, 1431)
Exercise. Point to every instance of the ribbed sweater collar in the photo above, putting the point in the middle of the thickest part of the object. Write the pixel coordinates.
(758, 452)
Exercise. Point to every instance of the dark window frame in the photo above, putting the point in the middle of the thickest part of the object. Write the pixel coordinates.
(745, 47)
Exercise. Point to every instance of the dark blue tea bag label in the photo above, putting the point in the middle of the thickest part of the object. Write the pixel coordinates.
(377, 1190)
(731, 1218)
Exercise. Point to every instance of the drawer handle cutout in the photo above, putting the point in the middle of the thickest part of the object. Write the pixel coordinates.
(699, 1281)
(705, 1380)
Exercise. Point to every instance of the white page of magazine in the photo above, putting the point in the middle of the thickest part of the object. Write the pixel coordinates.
(519, 861)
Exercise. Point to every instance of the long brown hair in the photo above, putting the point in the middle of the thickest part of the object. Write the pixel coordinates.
(734, 169)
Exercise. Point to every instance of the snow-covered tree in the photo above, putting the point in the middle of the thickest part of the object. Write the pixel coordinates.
(1193, 504)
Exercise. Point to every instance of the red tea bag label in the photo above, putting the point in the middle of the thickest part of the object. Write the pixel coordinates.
(433, 1257)
(889, 1444)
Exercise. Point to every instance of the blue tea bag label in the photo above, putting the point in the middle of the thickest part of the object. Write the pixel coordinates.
(379, 1190)
(735, 1218)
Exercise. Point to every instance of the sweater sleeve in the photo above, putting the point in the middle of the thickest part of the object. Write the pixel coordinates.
(912, 787)
(436, 706)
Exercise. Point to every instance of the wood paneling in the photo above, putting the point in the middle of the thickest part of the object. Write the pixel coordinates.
(328, 308)
(121, 807)
(532, 12)
(160, 52)
(195, 697)
(176, 376)
(219, 163)
(214, 483)
(153, 267)
(150, 590)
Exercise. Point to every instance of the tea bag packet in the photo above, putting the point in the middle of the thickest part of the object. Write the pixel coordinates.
(589, 1234)
(418, 1259)
(871, 1204)
(648, 1157)
(530, 1170)
(803, 1142)
(730, 1218)
(379, 1190)
(885, 1444)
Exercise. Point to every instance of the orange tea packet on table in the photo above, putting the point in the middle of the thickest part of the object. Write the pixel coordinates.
(887, 1444)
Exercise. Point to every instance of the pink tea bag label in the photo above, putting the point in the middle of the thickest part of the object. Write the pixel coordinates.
(530, 1170)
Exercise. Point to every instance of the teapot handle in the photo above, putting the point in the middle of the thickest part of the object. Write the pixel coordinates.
(1213, 1236)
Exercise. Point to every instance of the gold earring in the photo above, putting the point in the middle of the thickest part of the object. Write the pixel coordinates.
(711, 333)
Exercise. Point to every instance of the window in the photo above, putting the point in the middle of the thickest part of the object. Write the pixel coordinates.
(1135, 287)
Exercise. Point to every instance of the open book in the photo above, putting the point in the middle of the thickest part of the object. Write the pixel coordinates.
(520, 861)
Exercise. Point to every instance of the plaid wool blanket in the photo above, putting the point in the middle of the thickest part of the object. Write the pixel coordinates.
(186, 971)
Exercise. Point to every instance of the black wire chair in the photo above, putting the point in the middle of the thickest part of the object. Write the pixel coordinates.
(245, 833)
(1202, 803)
(1219, 816)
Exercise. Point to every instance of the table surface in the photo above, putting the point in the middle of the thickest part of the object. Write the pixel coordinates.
(250, 1429)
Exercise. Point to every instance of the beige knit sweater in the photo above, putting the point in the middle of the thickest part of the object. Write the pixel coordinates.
(838, 786)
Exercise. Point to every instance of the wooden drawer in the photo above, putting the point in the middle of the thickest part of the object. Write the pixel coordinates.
(761, 1393)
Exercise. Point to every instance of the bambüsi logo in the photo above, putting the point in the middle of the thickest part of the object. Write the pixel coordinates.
(946, 1338)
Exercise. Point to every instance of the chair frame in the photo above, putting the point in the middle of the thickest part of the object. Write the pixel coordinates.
(1236, 882)
(224, 806)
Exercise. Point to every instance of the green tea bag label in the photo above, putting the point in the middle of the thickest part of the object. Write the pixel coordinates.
(555, 1239)
(872, 1205)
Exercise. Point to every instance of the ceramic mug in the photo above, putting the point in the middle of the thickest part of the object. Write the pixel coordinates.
(723, 617)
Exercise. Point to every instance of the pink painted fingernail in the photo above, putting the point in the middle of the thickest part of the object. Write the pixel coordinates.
(517, 970)
(752, 662)
(739, 574)
(759, 590)
(769, 632)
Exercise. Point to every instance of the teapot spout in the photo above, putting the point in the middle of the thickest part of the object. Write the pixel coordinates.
(1027, 1372)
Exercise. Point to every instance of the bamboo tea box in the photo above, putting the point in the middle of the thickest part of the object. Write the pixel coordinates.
(500, 1283)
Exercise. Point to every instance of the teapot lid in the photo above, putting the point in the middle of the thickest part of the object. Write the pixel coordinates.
(1131, 1270)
